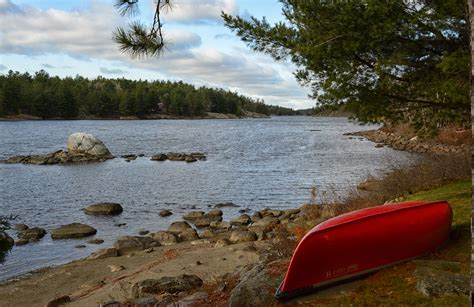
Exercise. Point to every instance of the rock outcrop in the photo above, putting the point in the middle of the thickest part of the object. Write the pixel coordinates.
(413, 144)
(82, 148)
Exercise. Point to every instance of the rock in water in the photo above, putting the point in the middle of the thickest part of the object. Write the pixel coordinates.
(34, 233)
(6, 241)
(104, 209)
(83, 143)
(74, 230)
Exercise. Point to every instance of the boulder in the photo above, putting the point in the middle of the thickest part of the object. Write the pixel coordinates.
(178, 227)
(207, 234)
(34, 233)
(83, 143)
(242, 220)
(104, 253)
(256, 216)
(220, 225)
(205, 221)
(104, 209)
(173, 285)
(74, 230)
(128, 244)
(240, 236)
(267, 221)
(260, 231)
(271, 212)
(165, 213)
(164, 237)
(214, 213)
(188, 235)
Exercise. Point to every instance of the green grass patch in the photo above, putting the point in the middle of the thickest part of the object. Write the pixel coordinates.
(396, 286)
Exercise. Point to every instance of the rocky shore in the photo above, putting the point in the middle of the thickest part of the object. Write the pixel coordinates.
(412, 144)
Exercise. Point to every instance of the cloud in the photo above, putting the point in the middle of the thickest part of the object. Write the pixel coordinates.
(81, 33)
(191, 11)
(86, 35)
(2, 67)
(48, 66)
(113, 71)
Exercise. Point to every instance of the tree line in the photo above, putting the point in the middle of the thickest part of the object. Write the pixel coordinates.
(51, 97)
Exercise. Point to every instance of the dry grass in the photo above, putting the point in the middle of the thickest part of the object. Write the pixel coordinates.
(454, 136)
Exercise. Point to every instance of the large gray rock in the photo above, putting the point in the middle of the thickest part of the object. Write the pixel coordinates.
(83, 143)
(71, 231)
(174, 285)
(128, 244)
(104, 209)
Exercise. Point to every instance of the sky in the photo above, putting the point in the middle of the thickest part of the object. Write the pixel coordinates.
(74, 37)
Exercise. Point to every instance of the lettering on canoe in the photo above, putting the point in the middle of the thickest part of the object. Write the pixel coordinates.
(342, 271)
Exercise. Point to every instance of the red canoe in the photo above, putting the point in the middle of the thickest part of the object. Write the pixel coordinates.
(363, 241)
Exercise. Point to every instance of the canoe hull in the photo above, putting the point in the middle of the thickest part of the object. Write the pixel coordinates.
(363, 241)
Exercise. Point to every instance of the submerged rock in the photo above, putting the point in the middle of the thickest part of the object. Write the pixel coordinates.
(74, 230)
(104, 209)
(165, 213)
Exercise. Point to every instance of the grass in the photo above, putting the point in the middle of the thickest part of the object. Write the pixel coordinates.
(396, 286)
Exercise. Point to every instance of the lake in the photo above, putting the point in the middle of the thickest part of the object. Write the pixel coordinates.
(254, 163)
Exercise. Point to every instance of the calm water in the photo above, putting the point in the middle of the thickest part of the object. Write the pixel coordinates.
(254, 163)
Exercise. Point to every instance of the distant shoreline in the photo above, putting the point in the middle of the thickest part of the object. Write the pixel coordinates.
(22, 117)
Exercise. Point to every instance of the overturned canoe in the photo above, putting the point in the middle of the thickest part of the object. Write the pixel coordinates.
(363, 241)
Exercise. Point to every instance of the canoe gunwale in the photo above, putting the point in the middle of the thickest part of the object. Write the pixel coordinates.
(360, 218)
